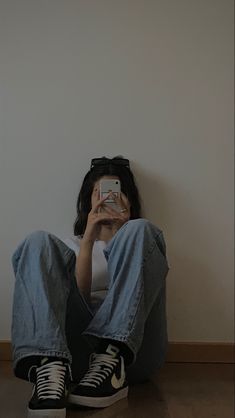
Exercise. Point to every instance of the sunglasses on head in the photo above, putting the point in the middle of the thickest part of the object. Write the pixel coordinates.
(103, 161)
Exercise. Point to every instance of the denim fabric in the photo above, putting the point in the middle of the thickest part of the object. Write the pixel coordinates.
(51, 318)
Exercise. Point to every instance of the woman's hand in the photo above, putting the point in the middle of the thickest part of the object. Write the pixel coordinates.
(101, 214)
(97, 218)
(104, 214)
(121, 215)
(83, 271)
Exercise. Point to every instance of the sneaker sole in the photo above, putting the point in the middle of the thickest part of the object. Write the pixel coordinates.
(98, 402)
(46, 413)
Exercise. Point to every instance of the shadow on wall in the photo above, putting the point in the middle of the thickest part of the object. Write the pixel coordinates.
(196, 295)
(196, 309)
(153, 193)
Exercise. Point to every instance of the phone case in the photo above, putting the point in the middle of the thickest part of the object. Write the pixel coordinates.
(106, 186)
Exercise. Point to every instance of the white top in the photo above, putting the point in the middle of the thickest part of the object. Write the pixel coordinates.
(99, 284)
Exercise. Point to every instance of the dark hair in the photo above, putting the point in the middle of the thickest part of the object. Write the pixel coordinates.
(109, 168)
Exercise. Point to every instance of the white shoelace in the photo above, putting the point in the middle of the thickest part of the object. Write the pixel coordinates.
(101, 366)
(51, 380)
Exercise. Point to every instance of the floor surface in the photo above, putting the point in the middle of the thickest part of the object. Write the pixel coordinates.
(179, 390)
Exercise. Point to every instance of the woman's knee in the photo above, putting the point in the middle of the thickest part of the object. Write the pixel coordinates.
(38, 237)
(33, 241)
(141, 225)
(39, 240)
(137, 224)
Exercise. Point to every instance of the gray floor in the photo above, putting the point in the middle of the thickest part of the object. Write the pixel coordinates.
(178, 391)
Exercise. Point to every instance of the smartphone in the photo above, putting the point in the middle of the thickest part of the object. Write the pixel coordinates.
(107, 186)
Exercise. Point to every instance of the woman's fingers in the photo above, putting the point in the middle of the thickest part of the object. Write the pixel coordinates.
(99, 203)
(123, 203)
(121, 213)
(102, 216)
(110, 209)
(125, 200)
(108, 213)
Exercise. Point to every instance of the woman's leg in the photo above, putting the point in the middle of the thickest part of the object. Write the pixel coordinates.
(44, 270)
(137, 268)
(131, 318)
(152, 352)
(78, 318)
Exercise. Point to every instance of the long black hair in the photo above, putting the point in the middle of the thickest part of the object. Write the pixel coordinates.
(110, 167)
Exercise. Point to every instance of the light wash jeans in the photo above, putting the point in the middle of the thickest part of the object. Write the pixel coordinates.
(51, 318)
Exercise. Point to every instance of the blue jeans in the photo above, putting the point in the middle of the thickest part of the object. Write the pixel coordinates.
(51, 318)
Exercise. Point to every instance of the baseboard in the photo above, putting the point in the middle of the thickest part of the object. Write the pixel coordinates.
(178, 352)
(5, 350)
(200, 352)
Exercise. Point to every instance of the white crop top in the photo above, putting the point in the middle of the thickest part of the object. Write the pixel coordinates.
(99, 284)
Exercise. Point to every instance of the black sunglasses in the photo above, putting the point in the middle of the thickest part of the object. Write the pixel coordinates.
(124, 162)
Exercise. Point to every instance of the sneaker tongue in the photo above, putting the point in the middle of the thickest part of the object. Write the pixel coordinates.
(44, 360)
(112, 350)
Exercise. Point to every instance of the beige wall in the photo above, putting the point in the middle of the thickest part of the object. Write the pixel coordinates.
(152, 80)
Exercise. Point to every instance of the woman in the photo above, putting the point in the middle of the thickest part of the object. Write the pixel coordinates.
(92, 309)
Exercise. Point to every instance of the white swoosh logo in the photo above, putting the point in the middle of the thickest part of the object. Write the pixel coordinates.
(118, 383)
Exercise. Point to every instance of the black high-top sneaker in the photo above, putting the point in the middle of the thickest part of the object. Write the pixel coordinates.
(105, 381)
(50, 390)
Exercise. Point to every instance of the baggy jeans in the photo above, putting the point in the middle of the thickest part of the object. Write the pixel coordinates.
(51, 317)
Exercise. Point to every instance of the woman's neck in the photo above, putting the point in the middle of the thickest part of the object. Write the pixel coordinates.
(107, 232)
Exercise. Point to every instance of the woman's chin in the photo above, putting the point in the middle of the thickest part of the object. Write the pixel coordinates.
(106, 223)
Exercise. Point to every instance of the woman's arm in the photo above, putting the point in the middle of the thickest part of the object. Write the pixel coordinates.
(83, 269)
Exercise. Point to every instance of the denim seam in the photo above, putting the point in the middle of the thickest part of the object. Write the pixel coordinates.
(136, 306)
(42, 350)
(151, 248)
(115, 337)
(53, 353)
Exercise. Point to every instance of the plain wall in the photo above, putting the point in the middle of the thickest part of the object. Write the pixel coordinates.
(151, 80)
